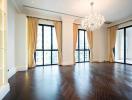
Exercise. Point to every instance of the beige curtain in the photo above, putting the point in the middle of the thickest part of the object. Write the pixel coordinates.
(32, 39)
(90, 42)
(75, 34)
(58, 28)
(111, 42)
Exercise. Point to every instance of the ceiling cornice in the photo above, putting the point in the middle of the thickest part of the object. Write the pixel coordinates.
(51, 11)
(18, 9)
(122, 21)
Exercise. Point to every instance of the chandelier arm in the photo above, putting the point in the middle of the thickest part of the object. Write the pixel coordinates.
(93, 21)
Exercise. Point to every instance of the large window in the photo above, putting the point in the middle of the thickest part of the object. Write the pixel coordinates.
(129, 45)
(119, 46)
(123, 46)
(82, 51)
(46, 52)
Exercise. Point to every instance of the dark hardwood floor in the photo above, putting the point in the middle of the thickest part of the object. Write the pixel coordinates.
(84, 81)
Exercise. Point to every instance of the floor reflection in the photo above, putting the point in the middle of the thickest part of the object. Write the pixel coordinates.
(82, 79)
(48, 82)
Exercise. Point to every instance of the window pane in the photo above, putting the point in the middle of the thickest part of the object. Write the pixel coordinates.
(81, 41)
(47, 57)
(39, 37)
(39, 57)
(87, 55)
(55, 57)
(129, 45)
(47, 37)
(77, 43)
(55, 46)
(81, 56)
(76, 56)
(81, 50)
(86, 41)
(119, 46)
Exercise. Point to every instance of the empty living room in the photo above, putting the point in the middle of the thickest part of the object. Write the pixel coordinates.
(65, 49)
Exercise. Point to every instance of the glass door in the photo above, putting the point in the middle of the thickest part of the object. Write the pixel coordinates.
(119, 46)
(46, 52)
(123, 46)
(129, 45)
(82, 50)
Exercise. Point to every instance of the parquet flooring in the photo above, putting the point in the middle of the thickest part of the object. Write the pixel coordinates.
(84, 81)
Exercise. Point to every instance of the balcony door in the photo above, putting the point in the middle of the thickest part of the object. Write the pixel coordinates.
(119, 46)
(46, 52)
(123, 46)
(82, 52)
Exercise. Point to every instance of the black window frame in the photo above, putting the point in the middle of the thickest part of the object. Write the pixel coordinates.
(78, 49)
(43, 49)
(124, 29)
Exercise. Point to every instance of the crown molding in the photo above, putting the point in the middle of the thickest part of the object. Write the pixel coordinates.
(18, 9)
(121, 21)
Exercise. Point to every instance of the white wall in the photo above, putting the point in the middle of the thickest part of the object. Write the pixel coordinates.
(16, 40)
(100, 43)
(21, 42)
(11, 38)
(67, 40)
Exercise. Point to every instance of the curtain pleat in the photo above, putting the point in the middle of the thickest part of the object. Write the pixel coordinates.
(32, 40)
(111, 42)
(75, 34)
(58, 28)
(90, 42)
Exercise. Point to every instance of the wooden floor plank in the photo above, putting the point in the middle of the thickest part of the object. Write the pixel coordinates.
(84, 81)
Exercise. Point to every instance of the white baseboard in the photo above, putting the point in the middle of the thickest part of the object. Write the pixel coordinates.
(67, 63)
(11, 72)
(4, 90)
(99, 60)
(21, 68)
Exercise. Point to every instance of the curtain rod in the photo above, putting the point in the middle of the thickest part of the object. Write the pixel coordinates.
(51, 11)
(45, 19)
(120, 23)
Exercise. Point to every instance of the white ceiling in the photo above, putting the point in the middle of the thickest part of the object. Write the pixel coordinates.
(113, 10)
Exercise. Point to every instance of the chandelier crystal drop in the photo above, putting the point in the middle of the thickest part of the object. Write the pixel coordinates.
(93, 21)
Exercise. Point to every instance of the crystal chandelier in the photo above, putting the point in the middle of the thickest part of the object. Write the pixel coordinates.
(93, 21)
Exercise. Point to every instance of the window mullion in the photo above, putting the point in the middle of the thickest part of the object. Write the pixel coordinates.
(125, 45)
(78, 46)
(84, 45)
(51, 43)
(43, 42)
